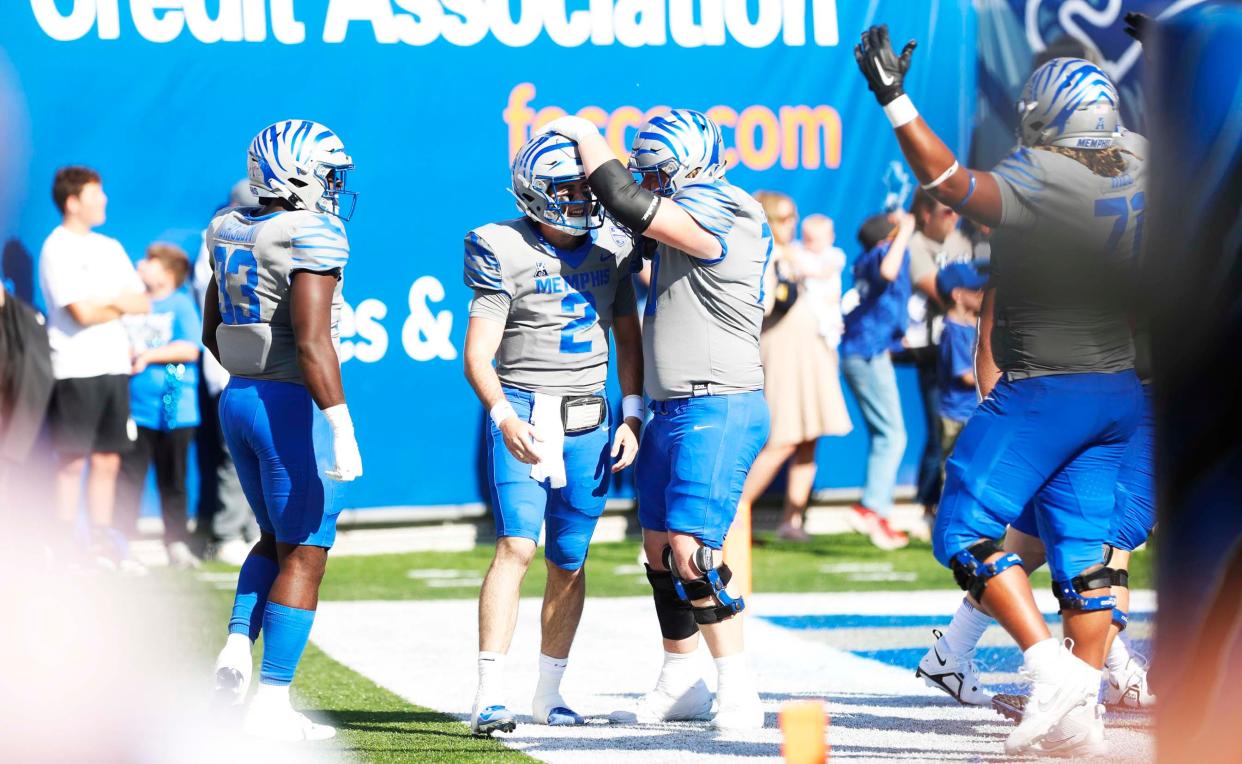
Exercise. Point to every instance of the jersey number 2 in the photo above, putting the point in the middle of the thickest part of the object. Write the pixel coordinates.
(570, 304)
(237, 278)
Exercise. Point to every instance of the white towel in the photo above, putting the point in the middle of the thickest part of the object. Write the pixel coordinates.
(545, 417)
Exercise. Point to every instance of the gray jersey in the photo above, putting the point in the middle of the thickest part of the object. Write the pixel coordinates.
(557, 306)
(703, 316)
(1062, 261)
(253, 261)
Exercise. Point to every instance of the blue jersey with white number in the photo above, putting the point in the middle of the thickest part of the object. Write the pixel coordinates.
(557, 305)
(254, 258)
(1063, 257)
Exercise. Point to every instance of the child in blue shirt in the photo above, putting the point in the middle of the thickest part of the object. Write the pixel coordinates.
(163, 399)
(960, 287)
(872, 329)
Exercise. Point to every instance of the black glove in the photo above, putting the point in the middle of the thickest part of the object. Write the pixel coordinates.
(1137, 24)
(884, 71)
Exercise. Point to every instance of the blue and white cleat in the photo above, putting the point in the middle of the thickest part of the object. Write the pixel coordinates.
(557, 715)
(492, 719)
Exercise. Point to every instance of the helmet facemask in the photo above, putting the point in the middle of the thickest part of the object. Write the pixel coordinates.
(547, 200)
(658, 177)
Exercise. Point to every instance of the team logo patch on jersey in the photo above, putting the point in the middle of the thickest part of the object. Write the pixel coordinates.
(620, 237)
(540, 270)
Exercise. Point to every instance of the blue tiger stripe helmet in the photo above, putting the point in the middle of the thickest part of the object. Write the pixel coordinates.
(1069, 102)
(542, 170)
(304, 163)
(683, 147)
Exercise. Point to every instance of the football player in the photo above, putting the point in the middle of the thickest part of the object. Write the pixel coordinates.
(709, 244)
(949, 664)
(548, 288)
(1066, 206)
(270, 317)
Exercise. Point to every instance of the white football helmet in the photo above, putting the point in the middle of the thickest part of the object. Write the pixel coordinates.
(1069, 102)
(684, 147)
(304, 163)
(541, 167)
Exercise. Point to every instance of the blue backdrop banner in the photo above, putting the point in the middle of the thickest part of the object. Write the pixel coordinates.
(431, 98)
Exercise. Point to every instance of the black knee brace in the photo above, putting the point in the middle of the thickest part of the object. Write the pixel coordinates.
(972, 573)
(1120, 617)
(675, 614)
(1068, 595)
(711, 583)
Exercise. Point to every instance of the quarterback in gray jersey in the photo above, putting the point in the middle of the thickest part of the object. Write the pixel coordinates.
(548, 289)
(1067, 207)
(709, 244)
(269, 316)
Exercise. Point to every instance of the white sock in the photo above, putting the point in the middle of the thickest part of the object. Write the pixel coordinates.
(491, 680)
(237, 642)
(732, 673)
(272, 693)
(678, 671)
(966, 629)
(1043, 653)
(1118, 656)
(550, 672)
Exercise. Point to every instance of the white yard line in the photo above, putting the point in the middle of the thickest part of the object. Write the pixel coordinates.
(425, 651)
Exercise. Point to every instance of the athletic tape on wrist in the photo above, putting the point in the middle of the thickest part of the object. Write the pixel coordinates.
(338, 417)
(501, 411)
(633, 406)
(942, 177)
(900, 110)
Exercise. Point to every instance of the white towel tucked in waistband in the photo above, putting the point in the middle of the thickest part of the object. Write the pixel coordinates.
(545, 418)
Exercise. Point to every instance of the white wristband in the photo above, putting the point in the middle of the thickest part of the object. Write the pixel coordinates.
(942, 177)
(501, 412)
(900, 111)
(633, 406)
(338, 417)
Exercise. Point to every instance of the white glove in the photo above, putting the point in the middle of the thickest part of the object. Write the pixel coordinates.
(344, 445)
(573, 128)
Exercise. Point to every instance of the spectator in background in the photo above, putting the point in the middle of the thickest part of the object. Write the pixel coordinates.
(797, 367)
(88, 283)
(936, 243)
(882, 282)
(226, 527)
(162, 398)
(819, 257)
(960, 288)
(980, 236)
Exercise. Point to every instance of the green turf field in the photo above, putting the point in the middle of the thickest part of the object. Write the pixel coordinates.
(845, 562)
(375, 725)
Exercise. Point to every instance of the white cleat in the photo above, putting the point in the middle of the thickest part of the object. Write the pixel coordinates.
(738, 711)
(485, 721)
(233, 668)
(1057, 688)
(270, 717)
(1128, 688)
(957, 675)
(660, 705)
(1080, 733)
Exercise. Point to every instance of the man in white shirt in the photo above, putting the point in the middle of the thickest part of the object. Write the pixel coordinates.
(88, 283)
